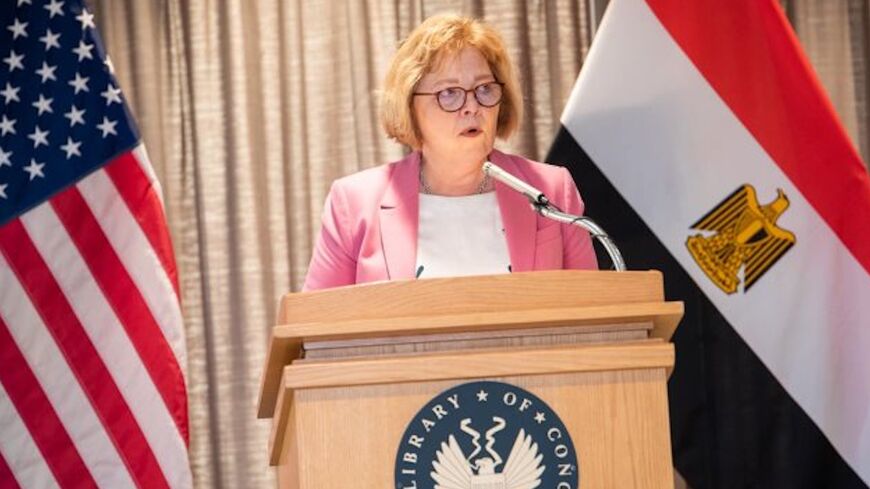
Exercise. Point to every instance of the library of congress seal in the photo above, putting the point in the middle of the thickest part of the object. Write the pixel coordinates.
(486, 435)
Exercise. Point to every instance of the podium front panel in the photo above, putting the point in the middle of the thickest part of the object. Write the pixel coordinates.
(340, 437)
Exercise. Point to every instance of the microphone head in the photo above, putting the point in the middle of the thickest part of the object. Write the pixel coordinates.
(487, 167)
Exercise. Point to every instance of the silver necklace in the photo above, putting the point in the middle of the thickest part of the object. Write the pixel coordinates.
(484, 184)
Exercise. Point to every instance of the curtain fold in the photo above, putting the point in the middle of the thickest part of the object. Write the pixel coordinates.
(834, 37)
(249, 109)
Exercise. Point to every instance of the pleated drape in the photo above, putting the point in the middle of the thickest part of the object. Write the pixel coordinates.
(250, 108)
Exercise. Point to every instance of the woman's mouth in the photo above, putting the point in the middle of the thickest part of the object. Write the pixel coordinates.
(471, 132)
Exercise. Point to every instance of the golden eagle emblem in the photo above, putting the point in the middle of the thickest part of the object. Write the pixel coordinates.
(744, 235)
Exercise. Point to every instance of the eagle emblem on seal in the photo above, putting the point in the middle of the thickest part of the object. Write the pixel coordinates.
(522, 470)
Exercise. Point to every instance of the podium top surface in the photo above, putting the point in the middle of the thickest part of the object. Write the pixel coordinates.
(457, 295)
(463, 304)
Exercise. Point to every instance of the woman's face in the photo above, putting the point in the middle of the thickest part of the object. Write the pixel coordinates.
(468, 133)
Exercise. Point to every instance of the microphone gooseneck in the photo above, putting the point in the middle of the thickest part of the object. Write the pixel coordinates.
(534, 195)
(542, 206)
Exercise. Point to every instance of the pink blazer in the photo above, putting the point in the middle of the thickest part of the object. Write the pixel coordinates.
(369, 226)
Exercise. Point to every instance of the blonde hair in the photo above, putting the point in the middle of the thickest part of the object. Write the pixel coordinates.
(427, 46)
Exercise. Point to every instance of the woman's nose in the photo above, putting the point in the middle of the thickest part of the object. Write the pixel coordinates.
(472, 106)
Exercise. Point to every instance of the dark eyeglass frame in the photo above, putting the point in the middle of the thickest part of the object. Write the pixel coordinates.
(465, 93)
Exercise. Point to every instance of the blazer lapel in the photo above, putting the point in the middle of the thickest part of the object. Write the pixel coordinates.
(519, 219)
(398, 218)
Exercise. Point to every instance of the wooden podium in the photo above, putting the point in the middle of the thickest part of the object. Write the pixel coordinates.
(349, 368)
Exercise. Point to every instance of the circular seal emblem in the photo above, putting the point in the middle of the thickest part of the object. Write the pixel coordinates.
(486, 435)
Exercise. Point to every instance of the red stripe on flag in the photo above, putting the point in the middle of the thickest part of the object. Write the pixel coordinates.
(7, 478)
(127, 302)
(39, 416)
(80, 354)
(748, 53)
(142, 200)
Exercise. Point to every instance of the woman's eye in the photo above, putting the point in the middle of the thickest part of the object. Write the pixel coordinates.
(451, 92)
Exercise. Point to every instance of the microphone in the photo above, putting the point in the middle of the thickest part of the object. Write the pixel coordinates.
(534, 195)
(542, 206)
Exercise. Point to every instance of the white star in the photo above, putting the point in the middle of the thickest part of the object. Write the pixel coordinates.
(10, 93)
(4, 158)
(80, 84)
(50, 39)
(22, 2)
(109, 65)
(112, 94)
(86, 18)
(108, 127)
(482, 395)
(14, 61)
(34, 169)
(39, 137)
(84, 50)
(75, 116)
(3, 190)
(18, 28)
(540, 418)
(7, 125)
(43, 105)
(55, 7)
(47, 72)
(71, 148)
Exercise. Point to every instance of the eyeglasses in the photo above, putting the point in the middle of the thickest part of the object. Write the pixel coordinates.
(452, 99)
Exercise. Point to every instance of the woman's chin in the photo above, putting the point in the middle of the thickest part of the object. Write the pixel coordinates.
(462, 147)
(479, 146)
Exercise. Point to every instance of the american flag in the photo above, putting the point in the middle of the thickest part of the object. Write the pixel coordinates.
(92, 389)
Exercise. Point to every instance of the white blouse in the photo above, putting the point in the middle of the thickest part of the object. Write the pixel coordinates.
(460, 236)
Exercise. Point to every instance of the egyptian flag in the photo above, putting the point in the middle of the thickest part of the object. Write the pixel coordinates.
(702, 141)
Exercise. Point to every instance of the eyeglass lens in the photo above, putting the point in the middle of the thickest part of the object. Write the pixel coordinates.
(453, 98)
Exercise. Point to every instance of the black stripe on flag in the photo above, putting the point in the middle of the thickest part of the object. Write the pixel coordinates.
(732, 423)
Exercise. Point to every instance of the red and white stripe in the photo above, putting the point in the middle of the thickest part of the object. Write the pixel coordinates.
(677, 120)
(90, 317)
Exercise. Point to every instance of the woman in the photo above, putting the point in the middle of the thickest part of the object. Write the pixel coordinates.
(449, 92)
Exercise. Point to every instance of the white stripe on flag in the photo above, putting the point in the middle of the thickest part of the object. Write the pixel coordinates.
(674, 150)
(141, 157)
(111, 342)
(59, 384)
(138, 257)
(18, 449)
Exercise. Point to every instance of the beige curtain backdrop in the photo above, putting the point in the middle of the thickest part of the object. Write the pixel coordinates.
(250, 108)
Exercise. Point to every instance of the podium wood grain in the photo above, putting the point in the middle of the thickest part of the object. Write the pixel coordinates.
(616, 419)
(461, 305)
(348, 369)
